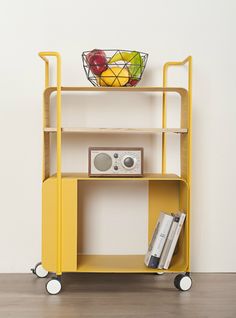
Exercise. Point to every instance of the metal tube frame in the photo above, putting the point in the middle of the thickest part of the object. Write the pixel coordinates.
(164, 120)
(164, 109)
(44, 56)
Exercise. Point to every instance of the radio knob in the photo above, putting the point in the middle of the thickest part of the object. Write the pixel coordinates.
(115, 155)
(115, 167)
(129, 162)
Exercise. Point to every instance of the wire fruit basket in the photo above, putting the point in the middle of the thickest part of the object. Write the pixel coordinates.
(114, 68)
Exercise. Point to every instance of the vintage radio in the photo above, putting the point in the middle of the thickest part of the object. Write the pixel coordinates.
(114, 161)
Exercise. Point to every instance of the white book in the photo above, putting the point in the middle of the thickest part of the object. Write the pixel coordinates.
(174, 241)
(168, 242)
(160, 234)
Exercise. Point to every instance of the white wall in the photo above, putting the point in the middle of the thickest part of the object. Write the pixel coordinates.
(167, 30)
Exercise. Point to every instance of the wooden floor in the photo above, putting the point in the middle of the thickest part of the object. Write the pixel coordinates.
(120, 295)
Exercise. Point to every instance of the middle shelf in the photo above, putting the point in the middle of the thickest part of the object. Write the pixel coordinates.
(117, 130)
(146, 177)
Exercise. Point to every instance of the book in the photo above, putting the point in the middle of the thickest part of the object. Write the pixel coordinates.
(156, 245)
(170, 253)
(169, 240)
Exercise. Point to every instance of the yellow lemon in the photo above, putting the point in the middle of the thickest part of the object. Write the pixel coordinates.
(114, 76)
(101, 81)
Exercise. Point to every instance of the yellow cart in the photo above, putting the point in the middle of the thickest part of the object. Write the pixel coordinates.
(167, 192)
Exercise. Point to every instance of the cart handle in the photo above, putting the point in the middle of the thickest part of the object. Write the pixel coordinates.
(164, 110)
(43, 56)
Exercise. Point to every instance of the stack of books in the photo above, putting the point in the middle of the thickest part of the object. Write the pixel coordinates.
(164, 240)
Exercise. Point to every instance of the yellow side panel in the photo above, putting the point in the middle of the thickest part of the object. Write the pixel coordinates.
(170, 196)
(185, 233)
(163, 196)
(49, 225)
(69, 225)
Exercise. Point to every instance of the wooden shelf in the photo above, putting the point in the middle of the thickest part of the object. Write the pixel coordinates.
(146, 177)
(122, 264)
(117, 130)
(136, 89)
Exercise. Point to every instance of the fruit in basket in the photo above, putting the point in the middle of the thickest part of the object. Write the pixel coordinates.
(101, 82)
(114, 76)
(135, 63)
(122, 56)
(97, 61)
(122, 67)
(133, 82)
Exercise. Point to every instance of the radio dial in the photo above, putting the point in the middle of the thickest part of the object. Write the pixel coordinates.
(128, 162)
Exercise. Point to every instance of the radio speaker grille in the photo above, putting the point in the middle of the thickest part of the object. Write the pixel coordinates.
(102, 162)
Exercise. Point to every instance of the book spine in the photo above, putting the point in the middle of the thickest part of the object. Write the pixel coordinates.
(158, 241)
(174, 241)
(152, 261)
(148, 262)
(168, 242)
(162, 235)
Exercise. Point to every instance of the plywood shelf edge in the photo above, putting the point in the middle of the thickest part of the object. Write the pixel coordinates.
(88, 130)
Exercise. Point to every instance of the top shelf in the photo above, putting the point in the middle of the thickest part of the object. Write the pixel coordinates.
(180, 90)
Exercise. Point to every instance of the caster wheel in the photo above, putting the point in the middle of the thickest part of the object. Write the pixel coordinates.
(39, 271)
(183, 282)
(160, 273)
(53, 286)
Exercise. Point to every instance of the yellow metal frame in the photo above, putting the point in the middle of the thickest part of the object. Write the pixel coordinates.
(64, 207)
(164, 109)
(167, 65)
(44, 56)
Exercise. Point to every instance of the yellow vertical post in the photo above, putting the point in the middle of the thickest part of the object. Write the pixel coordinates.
(59, 186)
(164, 120)
(59, 182)
(190, 118)
(46, 73)
(189, 147)
(46, 81)
(189, 164)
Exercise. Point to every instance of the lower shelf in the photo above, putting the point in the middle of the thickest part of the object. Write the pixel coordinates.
(122, 264)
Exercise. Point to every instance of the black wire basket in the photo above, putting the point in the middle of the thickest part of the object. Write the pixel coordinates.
(114, 68)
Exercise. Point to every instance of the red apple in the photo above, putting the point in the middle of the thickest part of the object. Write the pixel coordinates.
(97, 61)
(133, 82)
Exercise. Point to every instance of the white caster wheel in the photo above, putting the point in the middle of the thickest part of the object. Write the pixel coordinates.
(39, 271)
(160, 273)
(53, 286)
(183, 282)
